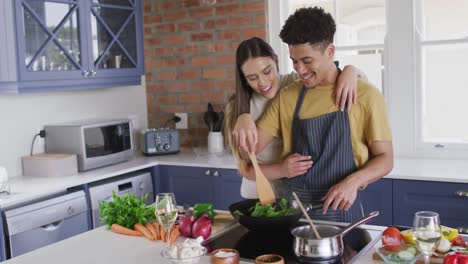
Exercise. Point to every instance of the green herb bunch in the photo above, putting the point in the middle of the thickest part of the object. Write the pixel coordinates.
(127, 211)
(281, 208)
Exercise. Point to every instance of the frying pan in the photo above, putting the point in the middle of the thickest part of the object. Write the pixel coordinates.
(263, 223)
(308, 248)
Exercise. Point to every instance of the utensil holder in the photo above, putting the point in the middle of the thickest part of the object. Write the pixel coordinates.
(215, 142)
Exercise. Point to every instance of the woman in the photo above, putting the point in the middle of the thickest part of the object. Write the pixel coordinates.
(258, 81)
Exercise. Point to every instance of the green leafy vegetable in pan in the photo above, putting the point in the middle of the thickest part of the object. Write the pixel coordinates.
(281, 208)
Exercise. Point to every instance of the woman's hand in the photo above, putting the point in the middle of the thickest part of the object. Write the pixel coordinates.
(295, 165)
(245, 133)
(346, 87)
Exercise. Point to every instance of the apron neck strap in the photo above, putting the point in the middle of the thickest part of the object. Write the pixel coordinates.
(299, 102)
(302, 95)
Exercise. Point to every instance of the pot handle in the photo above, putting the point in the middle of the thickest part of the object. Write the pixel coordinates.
(360, 222)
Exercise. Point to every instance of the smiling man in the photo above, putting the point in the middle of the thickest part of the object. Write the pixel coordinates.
(349, 148)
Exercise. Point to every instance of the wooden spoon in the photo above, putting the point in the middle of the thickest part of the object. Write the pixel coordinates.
(317, 235)
(264, 190)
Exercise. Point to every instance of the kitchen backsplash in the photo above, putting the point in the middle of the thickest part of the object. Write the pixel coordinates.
(23, 115)
(190, 56)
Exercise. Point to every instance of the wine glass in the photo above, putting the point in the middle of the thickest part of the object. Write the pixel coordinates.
(427, 230)
(166, 213)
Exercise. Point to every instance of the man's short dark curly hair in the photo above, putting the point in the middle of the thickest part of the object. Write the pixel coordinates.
(309, 25)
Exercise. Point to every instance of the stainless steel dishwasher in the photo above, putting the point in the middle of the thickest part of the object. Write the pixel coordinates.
(137, 183)
(42, 223)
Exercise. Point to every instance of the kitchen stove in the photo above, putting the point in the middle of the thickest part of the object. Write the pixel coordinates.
(251, 244)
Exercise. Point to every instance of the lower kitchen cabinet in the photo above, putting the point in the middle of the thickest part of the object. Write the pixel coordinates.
(2, 239)
(228, 188)
(396, 200)
(191, 185)
(450, 200)
(377, 196)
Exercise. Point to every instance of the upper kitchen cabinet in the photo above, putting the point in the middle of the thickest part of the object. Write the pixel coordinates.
(8, 73)
(73, 44)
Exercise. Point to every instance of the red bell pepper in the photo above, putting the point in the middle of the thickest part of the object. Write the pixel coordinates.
(456, 258)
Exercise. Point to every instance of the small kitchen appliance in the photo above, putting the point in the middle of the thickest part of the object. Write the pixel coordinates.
(97, 142)
(159, 141)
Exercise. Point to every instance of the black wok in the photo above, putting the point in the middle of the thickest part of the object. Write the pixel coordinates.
(264, 223)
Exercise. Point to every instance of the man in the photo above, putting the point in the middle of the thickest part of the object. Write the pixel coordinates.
(349, 148)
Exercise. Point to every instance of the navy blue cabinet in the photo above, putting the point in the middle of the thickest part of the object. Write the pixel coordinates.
(377, 196)
(71, 44)
(191, 185)
(228, 187)
(450, 200)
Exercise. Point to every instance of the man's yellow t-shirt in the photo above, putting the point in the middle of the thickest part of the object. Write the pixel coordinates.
(368, 118)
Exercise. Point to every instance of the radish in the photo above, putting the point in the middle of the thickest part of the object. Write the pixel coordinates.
(202, 227)
(185, 226)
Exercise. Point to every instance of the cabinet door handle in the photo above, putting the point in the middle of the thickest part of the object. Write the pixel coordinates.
(463, 229)
(216, 173)
(207, 172)
(461, 193)
(93, 73)
(85, 73)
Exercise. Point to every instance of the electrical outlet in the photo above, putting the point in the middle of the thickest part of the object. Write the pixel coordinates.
(182, 124)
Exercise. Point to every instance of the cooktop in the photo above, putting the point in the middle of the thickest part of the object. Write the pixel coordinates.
(251, 244)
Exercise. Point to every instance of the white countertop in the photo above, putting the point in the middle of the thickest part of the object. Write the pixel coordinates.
(103, 246)
(98, 246)
(430, 170)
(26, 189)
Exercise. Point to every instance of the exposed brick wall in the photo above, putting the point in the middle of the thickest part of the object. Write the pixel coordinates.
(190, 56)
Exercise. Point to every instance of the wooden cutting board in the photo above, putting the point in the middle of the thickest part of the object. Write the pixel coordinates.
(221, 221)
(433, 260)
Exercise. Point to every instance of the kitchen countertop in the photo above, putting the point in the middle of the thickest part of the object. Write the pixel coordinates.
(103, 246)
(25, 189)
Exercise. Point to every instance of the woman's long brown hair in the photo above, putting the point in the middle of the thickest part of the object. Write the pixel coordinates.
(239, 103)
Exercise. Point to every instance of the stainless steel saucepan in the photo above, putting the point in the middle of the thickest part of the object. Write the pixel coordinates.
(308, 248)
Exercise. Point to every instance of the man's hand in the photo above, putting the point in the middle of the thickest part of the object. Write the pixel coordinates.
(245, 133)
(295, 165)
(341, 195)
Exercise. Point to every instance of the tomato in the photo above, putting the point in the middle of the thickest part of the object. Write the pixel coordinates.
(459, 241)
(456, 258)
(391, 238)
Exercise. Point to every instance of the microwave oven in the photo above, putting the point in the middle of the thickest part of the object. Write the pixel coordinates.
(97, 142)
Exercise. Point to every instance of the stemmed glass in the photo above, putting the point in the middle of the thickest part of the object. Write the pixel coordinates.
(427, 230)
(166, 213)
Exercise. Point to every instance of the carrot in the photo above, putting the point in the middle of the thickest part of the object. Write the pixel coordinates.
(144, 231)
(174, 234)
(116, 228)
(156, 227)
(152, 230)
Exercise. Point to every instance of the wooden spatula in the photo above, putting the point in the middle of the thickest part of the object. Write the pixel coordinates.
(264, 190)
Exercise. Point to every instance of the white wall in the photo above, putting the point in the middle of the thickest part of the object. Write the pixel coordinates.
(23, 115)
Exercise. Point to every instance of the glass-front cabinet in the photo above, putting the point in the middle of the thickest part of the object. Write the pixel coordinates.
(51, 39)
(87, 41)
(114, 38)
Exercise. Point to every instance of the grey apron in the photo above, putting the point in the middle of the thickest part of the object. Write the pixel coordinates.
(327, 138)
